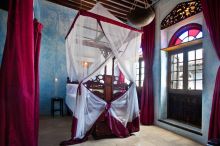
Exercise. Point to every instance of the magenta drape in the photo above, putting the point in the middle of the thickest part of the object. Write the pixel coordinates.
(19, 89)
(37, 41)
(211, 13)
(147, 97)
(117, 128)
(121, 77)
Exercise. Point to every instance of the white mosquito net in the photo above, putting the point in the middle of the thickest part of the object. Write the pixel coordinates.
(94, 39)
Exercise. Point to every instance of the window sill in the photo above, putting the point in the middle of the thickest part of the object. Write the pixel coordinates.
(191, 43)
(182, 126)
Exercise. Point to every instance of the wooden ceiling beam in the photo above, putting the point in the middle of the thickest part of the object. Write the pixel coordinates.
(130, 3)
(81, 5)
(115, 7)
(115, 11)
(120, 12)
(65, 3)
(141, 3)
(123, 5)
(88, 6)
(108, 3)
(119, 4)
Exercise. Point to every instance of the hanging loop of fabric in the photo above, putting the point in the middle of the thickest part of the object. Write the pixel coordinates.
(108, 106)
(79, 91)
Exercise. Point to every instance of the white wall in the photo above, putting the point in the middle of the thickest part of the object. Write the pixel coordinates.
(211, 64)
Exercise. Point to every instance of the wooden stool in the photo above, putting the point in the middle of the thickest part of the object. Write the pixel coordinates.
(53, 102)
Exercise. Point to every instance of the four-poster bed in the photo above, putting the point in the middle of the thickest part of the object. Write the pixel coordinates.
(98, 45)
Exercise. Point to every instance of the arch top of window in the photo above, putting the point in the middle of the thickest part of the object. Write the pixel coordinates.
(186, 33)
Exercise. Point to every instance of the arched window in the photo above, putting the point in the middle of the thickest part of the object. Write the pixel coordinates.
(185, 75)
(186, 33)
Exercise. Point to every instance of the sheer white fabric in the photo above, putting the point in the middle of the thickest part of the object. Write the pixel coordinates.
(90, 46)
(125, 108)
(88, 109)
(71, 92)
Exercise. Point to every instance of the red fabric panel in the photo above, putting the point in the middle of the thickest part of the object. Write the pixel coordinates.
(116, 126)
(73, 141)
(74, 126)
(118, 129)
(121, 77)
(19, 78)
(178, 41)
(214, 127)
(212, 16)
(134, 126)
(37, 41)
(147, 98)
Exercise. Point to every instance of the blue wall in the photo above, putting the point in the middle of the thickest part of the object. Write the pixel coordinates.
(3, 29)
(56, 20)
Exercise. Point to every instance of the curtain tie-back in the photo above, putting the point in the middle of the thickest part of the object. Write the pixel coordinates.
(108, 106)
(79, 88)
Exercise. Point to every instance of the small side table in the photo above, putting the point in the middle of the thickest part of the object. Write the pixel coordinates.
(55, 100)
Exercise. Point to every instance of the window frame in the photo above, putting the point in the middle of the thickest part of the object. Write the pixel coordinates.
(185, 51)
(140, 73)
(182, 30)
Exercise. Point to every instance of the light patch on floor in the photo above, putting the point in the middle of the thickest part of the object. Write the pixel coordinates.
(53, 131)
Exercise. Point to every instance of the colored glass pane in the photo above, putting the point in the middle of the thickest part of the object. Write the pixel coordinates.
(178, 41)
(189, 35)
(194, 32)
(184, 35)
(199, 35)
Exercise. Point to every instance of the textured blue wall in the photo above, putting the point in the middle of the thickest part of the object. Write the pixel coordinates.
(56, 20)
(3, 29)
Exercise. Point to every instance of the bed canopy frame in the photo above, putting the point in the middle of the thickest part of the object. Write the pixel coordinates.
(101, 104)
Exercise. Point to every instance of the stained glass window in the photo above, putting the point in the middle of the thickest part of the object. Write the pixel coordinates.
(187, 33)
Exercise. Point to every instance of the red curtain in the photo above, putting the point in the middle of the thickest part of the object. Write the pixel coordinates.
(212, 16)
(121, 77)
(37, 41)
(19, 89)
(147, 98)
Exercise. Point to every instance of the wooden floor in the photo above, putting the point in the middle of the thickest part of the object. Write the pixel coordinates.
(53, 131)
